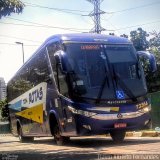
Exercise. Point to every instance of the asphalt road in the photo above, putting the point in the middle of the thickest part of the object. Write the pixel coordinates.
(84, 148)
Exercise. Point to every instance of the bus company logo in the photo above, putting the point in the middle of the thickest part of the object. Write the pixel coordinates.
(36, 95)
(119, 116)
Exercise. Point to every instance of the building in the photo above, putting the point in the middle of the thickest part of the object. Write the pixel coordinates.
(2, 89)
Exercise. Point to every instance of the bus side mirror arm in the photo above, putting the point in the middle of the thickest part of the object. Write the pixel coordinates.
(59, 64)
(150, 57)
(57, 58)
(48, 79)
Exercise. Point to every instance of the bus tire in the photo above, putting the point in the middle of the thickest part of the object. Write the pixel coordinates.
(22, 138)
(118, 136)
(60, 140)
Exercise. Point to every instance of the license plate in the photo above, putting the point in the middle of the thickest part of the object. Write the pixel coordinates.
(120, 125)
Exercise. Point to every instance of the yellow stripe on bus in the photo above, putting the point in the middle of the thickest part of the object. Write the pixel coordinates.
(116, 109)
(34, 113)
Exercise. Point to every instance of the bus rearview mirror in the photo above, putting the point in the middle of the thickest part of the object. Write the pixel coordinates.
(152, 60)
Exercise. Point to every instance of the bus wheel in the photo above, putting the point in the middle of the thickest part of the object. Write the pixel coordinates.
(60, 140)
(118, 136)
(22, 138)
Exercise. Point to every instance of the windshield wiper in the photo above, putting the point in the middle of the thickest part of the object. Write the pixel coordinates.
(123, 85)
(102, 87)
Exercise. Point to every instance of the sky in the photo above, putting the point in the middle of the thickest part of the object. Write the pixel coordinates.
(43, 18)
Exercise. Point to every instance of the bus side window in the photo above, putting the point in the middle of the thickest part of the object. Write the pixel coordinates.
(38, 69)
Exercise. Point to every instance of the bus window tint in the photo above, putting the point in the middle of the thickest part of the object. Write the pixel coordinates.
(120, 54)
(19, 84)
(86, 60)
(123, 58)
(35, 72)
(39, 69)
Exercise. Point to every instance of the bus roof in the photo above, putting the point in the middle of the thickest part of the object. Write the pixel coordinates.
(88, 37)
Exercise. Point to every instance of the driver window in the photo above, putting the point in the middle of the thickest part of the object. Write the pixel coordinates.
(60, 77)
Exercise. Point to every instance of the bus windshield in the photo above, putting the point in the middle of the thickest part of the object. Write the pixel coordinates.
(105, 70)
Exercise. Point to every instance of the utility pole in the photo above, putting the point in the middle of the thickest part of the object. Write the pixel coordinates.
(96, 16)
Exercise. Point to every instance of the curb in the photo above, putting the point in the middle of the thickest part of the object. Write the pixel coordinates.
(143, 134)
(5, 134)
(150, 134)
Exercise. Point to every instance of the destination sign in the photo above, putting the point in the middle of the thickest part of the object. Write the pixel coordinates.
(90, 47)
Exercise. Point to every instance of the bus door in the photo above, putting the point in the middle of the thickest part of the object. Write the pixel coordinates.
(62, 102)
(67, 120)
(64, 116)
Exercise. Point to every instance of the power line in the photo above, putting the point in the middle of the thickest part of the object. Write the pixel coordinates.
(95, 14)
(75, 28)
(82, 11)
(28, 45)
(107, 19)
(29, 25)
(19, 38)
(70, 11)
(115, 28)
(42, 25)
(26, 25)
(74, 10)
(128, 9)
(138, 25)
(143, 24)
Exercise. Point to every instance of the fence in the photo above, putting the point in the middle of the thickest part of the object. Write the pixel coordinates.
(4, 127)
(155, 102)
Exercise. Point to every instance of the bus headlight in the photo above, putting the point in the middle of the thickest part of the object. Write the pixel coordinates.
(81, 112)
(146, 109)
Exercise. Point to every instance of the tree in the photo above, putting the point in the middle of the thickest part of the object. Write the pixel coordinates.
(139, 39)
(155, 44)
(155, 40)
(124, 35)
(112, 34)
(4, 111)
(10, 6)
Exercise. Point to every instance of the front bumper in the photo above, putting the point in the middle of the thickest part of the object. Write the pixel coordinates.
(104, 123)
(117, 116)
